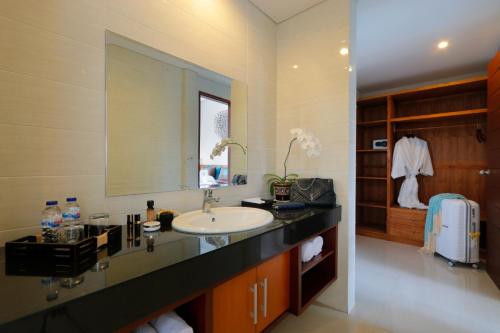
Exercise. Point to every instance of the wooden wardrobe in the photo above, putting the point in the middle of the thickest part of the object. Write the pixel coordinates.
(451, 117)
(493, 234)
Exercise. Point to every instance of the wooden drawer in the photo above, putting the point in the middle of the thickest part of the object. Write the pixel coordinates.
(407, 225)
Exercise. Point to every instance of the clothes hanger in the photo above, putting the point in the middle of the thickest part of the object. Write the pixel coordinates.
(480, 135)
(410, 133)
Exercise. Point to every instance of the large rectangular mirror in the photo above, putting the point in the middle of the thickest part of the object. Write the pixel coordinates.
(171, 125)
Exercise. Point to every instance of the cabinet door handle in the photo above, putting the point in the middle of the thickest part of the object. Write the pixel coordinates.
(254, 313)
(264, 293)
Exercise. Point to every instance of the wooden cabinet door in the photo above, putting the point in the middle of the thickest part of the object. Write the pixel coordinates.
(273, 279)
(493, 182)
(233, 304)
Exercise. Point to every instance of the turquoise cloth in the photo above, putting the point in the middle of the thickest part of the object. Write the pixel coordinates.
(434, 208)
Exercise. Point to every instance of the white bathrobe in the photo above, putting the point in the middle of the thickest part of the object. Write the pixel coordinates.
(411, 158)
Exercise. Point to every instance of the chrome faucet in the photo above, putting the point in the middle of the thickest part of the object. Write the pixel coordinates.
(208, 200)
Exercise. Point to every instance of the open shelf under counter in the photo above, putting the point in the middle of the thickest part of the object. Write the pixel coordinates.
(306, 266)
(312, 277)
(315, 281)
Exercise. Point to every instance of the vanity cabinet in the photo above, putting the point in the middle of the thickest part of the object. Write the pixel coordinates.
(251, 301)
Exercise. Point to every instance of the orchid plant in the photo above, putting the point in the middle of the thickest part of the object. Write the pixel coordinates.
(220, 147)
(309, 143)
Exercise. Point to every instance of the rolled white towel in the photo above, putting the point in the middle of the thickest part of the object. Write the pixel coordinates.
(307, 250)
(146, 328)
(171, 323)
(317, 245)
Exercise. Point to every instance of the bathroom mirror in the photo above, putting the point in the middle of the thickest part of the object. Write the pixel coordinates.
(164, 117)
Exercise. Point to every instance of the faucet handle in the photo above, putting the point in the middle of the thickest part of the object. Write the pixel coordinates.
(207, 193)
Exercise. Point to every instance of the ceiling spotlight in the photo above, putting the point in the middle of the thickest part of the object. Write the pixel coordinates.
(344, 51)
(443, 44)
(295, 66)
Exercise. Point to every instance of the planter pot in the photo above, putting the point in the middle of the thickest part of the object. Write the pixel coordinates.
(282, 192)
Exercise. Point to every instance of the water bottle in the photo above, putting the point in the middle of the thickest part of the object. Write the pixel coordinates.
(71, 211)
(51, 220)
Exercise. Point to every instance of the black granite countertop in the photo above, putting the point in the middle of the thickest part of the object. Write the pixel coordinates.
(137, 282)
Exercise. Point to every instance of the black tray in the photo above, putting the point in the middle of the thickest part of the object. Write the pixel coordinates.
(26, 256)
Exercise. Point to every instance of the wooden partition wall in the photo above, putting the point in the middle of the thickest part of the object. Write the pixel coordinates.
(451, 117)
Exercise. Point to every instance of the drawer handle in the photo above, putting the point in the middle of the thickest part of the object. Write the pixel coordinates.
(264, 301)
(254, 313)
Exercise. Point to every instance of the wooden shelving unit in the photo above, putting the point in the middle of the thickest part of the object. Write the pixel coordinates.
(443, 115)
(371, 151)
(372, 123)
(372, 204)
(316, 260)
(371, 178)
(311, 278)
(447, 116)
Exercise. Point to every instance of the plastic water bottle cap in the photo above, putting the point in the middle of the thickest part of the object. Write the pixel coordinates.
(70, 199)
(51, 203)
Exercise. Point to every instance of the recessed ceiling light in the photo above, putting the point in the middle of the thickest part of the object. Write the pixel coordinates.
(443, 44)
(344, 51)
(295, 66)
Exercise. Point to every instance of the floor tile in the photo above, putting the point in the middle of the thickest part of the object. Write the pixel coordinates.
(401, 290)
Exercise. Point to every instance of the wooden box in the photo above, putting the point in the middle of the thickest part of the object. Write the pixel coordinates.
(407, 225)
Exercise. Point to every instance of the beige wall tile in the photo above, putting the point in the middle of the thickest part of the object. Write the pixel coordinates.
(39, 151)
(49, 104)
(32, 51)
(317, 97)
(52, 94)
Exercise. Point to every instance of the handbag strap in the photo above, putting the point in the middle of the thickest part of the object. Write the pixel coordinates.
(307, 187)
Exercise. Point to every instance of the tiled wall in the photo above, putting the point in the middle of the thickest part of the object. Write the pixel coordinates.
(52, 114)
(319, 96)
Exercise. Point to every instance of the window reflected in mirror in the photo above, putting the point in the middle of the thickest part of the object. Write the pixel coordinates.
(214, 127)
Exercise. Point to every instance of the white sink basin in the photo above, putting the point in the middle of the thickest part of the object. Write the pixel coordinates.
(222, 220)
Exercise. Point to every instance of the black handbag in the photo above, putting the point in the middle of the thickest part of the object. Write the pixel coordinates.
(318, 192)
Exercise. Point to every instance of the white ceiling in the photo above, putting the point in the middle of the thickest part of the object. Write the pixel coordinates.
(280, 10)
(396, 40)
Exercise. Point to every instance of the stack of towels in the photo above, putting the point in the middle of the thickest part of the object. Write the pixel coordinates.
(167, 323)
(311, 248)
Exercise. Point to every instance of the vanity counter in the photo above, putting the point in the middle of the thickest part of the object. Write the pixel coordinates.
(140, 280)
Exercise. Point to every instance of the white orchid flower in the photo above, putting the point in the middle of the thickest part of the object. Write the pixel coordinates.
(296, 132)
(220, 147)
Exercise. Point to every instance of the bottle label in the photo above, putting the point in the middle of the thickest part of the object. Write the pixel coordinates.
(51, 223)
(71, 213)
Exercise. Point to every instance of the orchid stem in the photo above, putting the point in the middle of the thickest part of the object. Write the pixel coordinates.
(288, 154)
(242, 148)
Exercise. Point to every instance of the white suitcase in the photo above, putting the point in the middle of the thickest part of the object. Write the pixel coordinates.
(458, 240)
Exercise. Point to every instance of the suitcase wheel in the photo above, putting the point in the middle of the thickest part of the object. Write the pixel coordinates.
(475, 266)
(451, 264)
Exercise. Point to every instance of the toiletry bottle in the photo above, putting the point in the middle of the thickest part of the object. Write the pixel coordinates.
(51, 220)
(71, 211)
(150, 212)
(137, 230)
(130, 229)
